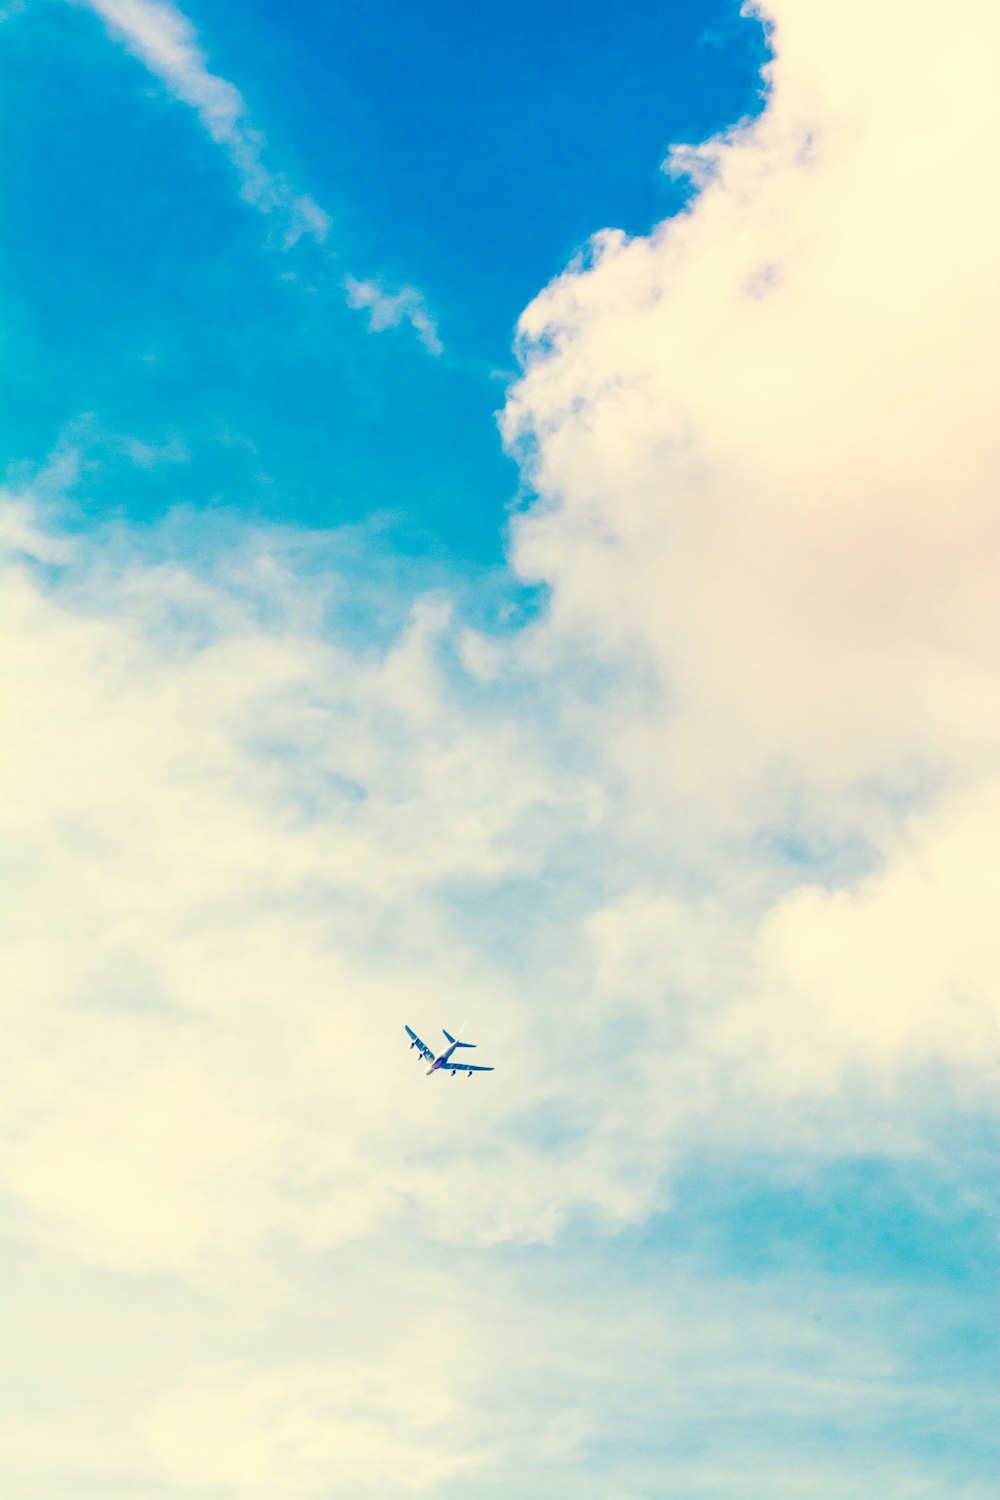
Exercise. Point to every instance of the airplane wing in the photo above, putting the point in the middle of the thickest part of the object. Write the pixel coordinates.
(460, 1067)
(422, 1047)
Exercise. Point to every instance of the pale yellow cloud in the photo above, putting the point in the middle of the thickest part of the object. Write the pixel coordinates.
(900, 971)
(339, 1426)
(764, 435)
(228, 843)
(766, 453)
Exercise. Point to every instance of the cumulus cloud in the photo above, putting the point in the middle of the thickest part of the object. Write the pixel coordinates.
(902, 969)
(765, 462)
(762, 439)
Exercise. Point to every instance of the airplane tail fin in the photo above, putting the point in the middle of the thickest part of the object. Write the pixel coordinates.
(454, 1041)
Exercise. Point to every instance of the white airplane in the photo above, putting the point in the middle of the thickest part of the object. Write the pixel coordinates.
(445, 1061)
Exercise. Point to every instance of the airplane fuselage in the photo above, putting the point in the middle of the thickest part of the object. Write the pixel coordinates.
(442, 1061)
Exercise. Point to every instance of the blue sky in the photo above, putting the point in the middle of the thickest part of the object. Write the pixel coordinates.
(433, 139)
(498, 526)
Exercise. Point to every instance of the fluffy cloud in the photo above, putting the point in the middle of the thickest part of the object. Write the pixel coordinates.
(765, 455)
(231, 843)
(901, 970)
(763, 437)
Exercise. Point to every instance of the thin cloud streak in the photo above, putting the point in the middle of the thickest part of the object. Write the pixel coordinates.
(164, 40)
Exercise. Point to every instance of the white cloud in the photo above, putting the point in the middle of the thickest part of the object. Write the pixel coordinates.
(390, 309)
(384, 1429)
(213, 818)
(763, 442)
(400, 1370)
(901, 970)
(233, 843)
(239, 845)
(765, 456)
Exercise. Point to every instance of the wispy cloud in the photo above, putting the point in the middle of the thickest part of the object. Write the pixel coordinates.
(389, 309)
(165, 41)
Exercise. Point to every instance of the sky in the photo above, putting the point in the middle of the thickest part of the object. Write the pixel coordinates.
(499, 531)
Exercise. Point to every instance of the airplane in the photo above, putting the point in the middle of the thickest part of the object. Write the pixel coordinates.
(445, 1061)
